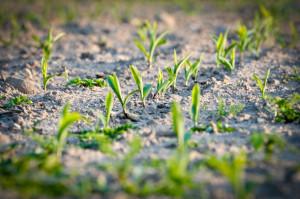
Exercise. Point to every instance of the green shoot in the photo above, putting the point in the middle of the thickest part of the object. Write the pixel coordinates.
(192, 69)
(173, 72)
(262, 84)
(244, 39)
(66, 120)
(148, 36)
(161, 84)
(17, 101)
(178, 125)
(47, 47)
(143, 89)
(195, 104)
(109, 102)
(268, 143)
(86, 82)
(223, 51)
(233, 169)
(114, 84)
(224, 109)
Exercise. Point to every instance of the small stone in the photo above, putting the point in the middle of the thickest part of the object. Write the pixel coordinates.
(168, 19)
(260, 120)
(87, 55)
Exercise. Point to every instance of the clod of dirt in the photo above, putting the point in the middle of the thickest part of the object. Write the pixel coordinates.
(26, 85)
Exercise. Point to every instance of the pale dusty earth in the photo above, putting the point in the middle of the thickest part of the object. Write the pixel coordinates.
(105, 46)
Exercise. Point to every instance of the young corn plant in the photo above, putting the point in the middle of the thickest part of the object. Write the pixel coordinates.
(66, 120)
(233, 169)
(161, 84)
(225, 54)
(178, 125)
(195, 104)
(144, 90)
(173, 72)
(47, 47)
(262, 84)
(244, 39)
(114, 84)
(148, 36)
(192, 69)
(109, 102)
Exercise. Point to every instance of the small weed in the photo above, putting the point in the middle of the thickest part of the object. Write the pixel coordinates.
(148, 36)
(268, 143)
(214, 127)
(173, 72)
(192, 69)
(225, 54)
(224, 110)
(17, 101)
(143, 89)
(233, 169)
(113, 82)
(195, 104)
(47, 47)
(87, 82)
(287, 110)
(262, 84)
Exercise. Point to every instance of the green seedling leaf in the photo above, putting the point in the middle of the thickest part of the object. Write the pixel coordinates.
(86, 82)
(195, 104)
(66, 120)
(178, 124)
(262, 85)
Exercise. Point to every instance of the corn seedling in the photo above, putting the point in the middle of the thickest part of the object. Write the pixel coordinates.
(87, 82)
(195, 104)
(192, 69)
(148, 36)
(267, 143)
(262, 84)
(109, 103)
(224, 109)
(244, 39)
(161, 84)
(66, 120)
(114, 84)
(233, 169)
(225, 54)
(17, 101)
(178, 125)
(143, 89)
(173, 72)
(47, 47)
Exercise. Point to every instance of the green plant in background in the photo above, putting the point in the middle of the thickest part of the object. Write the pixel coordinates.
(244, 39)
(267, 143)
(294, 35)
(14, 33)
(192, 69)
(173, 72)
(114, 84)
(148, 36)
(225, 54)
(262, 84)
(233, 169)
(143, 89)
(17, 101)
(47, 47)
(224, 110)
(66, 120)
(287, 110)
(195, 104)
(87, 82)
